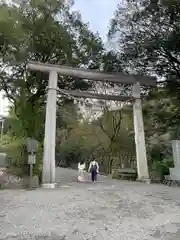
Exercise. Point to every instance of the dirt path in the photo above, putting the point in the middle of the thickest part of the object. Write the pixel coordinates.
(107, 210)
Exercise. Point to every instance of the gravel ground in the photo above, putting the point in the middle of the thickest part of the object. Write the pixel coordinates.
(109, 210)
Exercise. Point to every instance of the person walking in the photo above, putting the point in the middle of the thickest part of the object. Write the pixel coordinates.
(81, 169)
(94, 170)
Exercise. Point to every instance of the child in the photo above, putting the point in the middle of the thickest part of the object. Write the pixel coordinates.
(81, 169)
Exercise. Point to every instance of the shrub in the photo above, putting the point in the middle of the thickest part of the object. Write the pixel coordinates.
(160, 168)
(18, 157)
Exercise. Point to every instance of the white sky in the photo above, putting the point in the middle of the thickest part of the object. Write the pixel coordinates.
(97, 13)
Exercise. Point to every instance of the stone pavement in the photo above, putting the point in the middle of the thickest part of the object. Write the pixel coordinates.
(108, 210)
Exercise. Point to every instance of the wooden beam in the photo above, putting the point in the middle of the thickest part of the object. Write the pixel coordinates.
(93, 75)
(96, 96)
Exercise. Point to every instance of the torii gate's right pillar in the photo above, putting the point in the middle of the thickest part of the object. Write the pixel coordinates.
(141, 157)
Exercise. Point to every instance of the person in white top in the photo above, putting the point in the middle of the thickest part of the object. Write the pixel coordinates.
(94, 169)
(81, 169)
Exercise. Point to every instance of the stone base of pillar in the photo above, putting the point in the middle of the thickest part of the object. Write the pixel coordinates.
(144, 180)
(49, 185)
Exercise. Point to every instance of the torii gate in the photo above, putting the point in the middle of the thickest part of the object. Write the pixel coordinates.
(48, 178)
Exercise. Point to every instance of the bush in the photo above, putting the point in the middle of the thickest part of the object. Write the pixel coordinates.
(161, 168)
(115, 174)
(18, 157)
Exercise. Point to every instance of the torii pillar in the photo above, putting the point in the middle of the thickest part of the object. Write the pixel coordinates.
(48, 174)
(141, 156)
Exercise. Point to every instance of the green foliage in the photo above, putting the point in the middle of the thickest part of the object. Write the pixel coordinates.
(116, 126)
(108, 139)
(46, 32)
(71, 153)
(147, 34)
(18, 156)
(162, 167)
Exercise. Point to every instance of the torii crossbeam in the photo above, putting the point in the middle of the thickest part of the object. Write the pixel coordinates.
(48, 178)
(83, 94)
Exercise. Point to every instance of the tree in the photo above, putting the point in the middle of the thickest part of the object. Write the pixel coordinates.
(147, 33)
(117, 128)
(47, 32)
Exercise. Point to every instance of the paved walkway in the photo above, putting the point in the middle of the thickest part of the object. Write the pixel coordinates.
(108, 210)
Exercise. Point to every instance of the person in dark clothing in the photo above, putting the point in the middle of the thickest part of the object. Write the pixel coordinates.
(94, 169)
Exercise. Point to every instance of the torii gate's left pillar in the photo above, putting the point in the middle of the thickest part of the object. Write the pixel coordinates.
(48, 175)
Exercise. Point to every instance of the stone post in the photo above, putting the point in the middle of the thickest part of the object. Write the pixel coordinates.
(141, 158)
(48, 176)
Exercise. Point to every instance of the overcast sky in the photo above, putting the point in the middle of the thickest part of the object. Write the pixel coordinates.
(97, 13)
